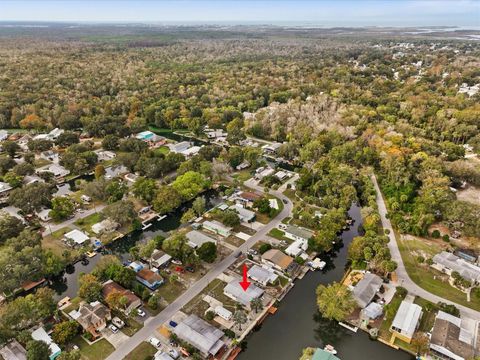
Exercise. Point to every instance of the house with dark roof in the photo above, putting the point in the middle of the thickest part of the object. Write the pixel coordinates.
(450, 340)
(366, 289)
(111, 287)
(92, 317)
(150, 279)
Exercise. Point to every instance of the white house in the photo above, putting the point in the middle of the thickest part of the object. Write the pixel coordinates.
(179, 147)
(76, 236)
(245, 215)
(58, 171)
(406, 321)
(235, 292)
(44, 214)
(262, 275)
(217, 228)
(105, 226)
(448, 263)
(197, 238)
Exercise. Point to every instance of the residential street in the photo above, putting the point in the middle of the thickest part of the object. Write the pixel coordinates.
(153, 323)
(403, 278)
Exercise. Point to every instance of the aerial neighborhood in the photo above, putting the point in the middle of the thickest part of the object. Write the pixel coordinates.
(176, 209)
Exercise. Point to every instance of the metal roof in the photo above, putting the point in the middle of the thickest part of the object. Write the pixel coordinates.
(234, 290)
(407, 318)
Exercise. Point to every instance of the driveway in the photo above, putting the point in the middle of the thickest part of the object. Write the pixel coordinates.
(403, 277)
(153, 323)
(115, 339)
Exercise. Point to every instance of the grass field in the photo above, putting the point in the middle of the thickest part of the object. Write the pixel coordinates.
(87, 222)
(55, 243)
(142, 351)
(170, 291)
(97, 351)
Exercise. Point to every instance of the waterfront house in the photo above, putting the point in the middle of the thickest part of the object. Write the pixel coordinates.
(296, 233)
(115, 171)
(13, 351)
(58, 171)
(133, 301)
(366, 289)
(41, 335)
(150, 279)
(105, 226)
(159, 259)
(151, 138)
(75, 237)
(451, 339)
(235, 292)
(105, 155)
(197, 238)
(297, 248)
(271, 149)
(373, 310)
(262, 275)
(92, 317)
(321, 354)
(406, 320)
(201, 335)
(277, 259)
(217, 228)
(448, 263)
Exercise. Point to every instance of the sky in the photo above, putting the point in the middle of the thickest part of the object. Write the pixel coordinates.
(464, 13)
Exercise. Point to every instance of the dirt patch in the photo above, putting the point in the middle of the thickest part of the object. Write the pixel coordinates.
(471, 194)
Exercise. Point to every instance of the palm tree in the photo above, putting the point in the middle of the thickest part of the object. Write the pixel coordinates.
(256, 304)
(239, 318)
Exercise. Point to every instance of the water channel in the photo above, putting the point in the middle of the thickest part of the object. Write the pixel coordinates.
(297, 323)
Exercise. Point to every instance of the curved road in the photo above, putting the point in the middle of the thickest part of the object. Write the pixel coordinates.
(401, 271)
(166, 314)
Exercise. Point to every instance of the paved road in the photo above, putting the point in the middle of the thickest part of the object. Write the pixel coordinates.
(153, 323)
(54, 227)
(404, 278)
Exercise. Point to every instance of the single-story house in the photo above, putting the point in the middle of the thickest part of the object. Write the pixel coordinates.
(159, 259)
(76, 237)
(115, 171)
(272, 148)
(161, 355)
(235, 292)
(13, 211)
(5, 189)
(136, 266)
(366, 289)
(32, 179)
(296, 233)
(321, 354)
(105, 226)
(243, 165)
(223, 313)
(373, 310)
(245, 215)
(3, 135)
(41, 335)
(406, 321)
(281, 175)
(297, 248)
(468, 255)
(44, 214)
(180, 147)
(191, 151)
(450, 340)
(277, 259)
(150, 279)
(149, 136)
(58, 171)
(215, 133)
(105, 155)
(448, 263)
(92, 317)
(133, 301)
(262, 275)
(13, 351)
(55, 133)
(246, 199)
(217, 228)
(197, 238)
(265, 172)
(201, 335)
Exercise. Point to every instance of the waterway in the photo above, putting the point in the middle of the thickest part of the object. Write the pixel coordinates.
(297, 324)
(67, 283)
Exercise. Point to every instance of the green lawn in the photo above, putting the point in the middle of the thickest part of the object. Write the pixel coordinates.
(390, 312)
(429, 313)
(55, 243)
(215, 290)
(429, 279)
(97, 351)
(87, 222)
(278, 234)
(162, 150)
(170, 291)
(141, 352)
(243, 175)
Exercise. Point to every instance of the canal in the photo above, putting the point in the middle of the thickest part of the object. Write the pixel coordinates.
(297, 323)
(67, 283)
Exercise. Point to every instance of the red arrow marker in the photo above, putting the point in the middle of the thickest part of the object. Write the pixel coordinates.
(245, 283)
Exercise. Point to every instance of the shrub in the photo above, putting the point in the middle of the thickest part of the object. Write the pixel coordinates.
(436, 234)
(446, 238)
(420, 259)
(209, 315)
(402, 291)
(264, 248)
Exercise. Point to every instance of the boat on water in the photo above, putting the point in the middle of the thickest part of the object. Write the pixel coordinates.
(317, 264)
(329, 348)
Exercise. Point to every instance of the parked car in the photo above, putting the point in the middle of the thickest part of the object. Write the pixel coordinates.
(113, 328)
(140, 312)
(118, 322)
(285, 201)
(176, 262)
(253, 252)
(173, 354)
(155, 342)
(190, 269)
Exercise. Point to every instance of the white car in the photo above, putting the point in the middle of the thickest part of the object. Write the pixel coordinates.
(155, 342)
(173, 353)
(141, 313)
(113, 328)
